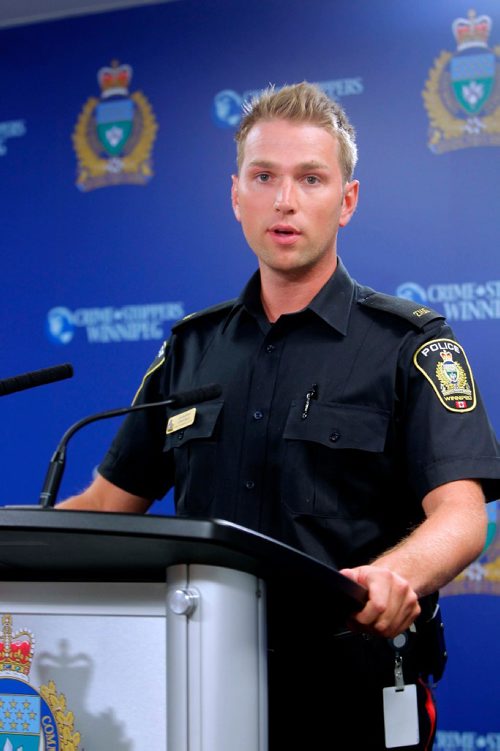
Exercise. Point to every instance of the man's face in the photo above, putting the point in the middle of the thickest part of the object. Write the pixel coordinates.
(290, 197)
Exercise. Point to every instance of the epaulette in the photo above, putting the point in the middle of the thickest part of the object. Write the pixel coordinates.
(222, 306)
(419, 315)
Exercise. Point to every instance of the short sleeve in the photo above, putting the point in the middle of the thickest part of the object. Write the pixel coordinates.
(135, 460)
(448, 435)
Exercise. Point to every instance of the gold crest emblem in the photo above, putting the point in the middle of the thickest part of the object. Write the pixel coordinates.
(451, 376)
(462, 93)
(114, 134)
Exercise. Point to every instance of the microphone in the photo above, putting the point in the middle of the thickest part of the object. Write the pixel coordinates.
(35, 378)
(56, 467)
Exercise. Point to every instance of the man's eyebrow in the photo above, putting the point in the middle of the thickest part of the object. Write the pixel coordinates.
(313, 165)
(261, 163)
(303, 166)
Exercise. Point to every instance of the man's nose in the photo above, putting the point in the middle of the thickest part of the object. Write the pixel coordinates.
(285, 200)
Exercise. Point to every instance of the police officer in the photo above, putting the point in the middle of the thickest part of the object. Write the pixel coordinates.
(349, 427)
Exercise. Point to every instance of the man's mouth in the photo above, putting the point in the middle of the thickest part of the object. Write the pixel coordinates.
(284, 230)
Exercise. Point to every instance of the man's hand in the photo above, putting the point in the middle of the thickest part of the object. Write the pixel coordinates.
(392, 604)
(103, 495)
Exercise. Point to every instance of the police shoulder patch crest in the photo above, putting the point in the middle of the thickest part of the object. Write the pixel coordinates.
(444, 363)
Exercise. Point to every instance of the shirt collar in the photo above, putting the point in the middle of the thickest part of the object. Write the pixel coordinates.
(334, 300)
(332, 303)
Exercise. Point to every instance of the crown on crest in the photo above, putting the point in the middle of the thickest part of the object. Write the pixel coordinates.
(16, 650)
(114, 79)
(446, 356)
(471, 32)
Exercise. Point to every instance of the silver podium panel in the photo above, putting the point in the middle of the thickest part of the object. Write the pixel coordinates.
(216, 660)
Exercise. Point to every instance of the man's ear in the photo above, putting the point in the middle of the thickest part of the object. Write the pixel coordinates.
(349, 203)
(234, 196)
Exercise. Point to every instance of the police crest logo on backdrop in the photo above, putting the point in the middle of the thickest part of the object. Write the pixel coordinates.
(114, 135)
(462, 93)
(30, 719)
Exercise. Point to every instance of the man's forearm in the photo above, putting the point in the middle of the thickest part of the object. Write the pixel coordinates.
(102, 495)
(451, 537)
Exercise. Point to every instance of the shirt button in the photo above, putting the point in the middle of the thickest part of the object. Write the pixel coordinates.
(334, 437)
(270, 348)
(249, 484)
(258, 414)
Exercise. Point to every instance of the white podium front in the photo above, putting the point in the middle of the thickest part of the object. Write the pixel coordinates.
(151, 629)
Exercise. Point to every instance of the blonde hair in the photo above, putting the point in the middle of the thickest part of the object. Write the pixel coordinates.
(301, 103)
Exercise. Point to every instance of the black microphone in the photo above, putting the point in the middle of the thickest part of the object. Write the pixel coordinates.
(35, 378)
(56, 467)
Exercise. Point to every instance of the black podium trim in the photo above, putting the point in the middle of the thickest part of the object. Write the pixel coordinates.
(58, 545)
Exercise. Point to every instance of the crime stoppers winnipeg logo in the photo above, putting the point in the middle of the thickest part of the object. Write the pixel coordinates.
(462, 93)
(114, 135)
(109, 324)
(464, 301)
(30, 719)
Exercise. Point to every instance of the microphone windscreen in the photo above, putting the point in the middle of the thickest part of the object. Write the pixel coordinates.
(202, 394)
(35, 378)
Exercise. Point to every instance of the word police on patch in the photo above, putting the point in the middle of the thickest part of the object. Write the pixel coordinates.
(444, 363)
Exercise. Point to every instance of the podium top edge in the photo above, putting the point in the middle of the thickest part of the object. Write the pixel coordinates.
(66, 537)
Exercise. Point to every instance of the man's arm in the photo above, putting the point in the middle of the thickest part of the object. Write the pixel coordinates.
(451, 537)
(102, 495)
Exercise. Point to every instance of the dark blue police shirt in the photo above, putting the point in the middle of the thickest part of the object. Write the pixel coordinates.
(344, 482)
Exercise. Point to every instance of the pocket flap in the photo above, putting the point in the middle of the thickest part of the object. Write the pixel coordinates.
(339, 426)
(202, 427)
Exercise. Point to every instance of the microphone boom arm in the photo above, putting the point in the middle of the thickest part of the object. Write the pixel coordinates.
(55, 470)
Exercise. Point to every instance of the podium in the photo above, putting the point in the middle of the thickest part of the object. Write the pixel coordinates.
(181, 599)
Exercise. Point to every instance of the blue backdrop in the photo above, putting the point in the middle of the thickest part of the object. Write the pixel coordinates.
(116, 218)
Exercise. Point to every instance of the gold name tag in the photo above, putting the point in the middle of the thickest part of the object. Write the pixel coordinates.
(178, 422)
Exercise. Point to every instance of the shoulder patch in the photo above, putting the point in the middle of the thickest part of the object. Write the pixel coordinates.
(223, 306)
(411, 311)
(444, 363)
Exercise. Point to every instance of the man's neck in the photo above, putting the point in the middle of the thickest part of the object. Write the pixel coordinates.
(283, 293)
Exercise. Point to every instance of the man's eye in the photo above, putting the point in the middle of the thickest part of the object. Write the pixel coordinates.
(312, 179)
(263, 177)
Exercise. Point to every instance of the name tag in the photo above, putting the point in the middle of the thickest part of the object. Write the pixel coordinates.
(183, 420)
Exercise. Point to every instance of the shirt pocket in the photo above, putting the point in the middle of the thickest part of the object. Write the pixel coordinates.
(194, 449)
(332, 458)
